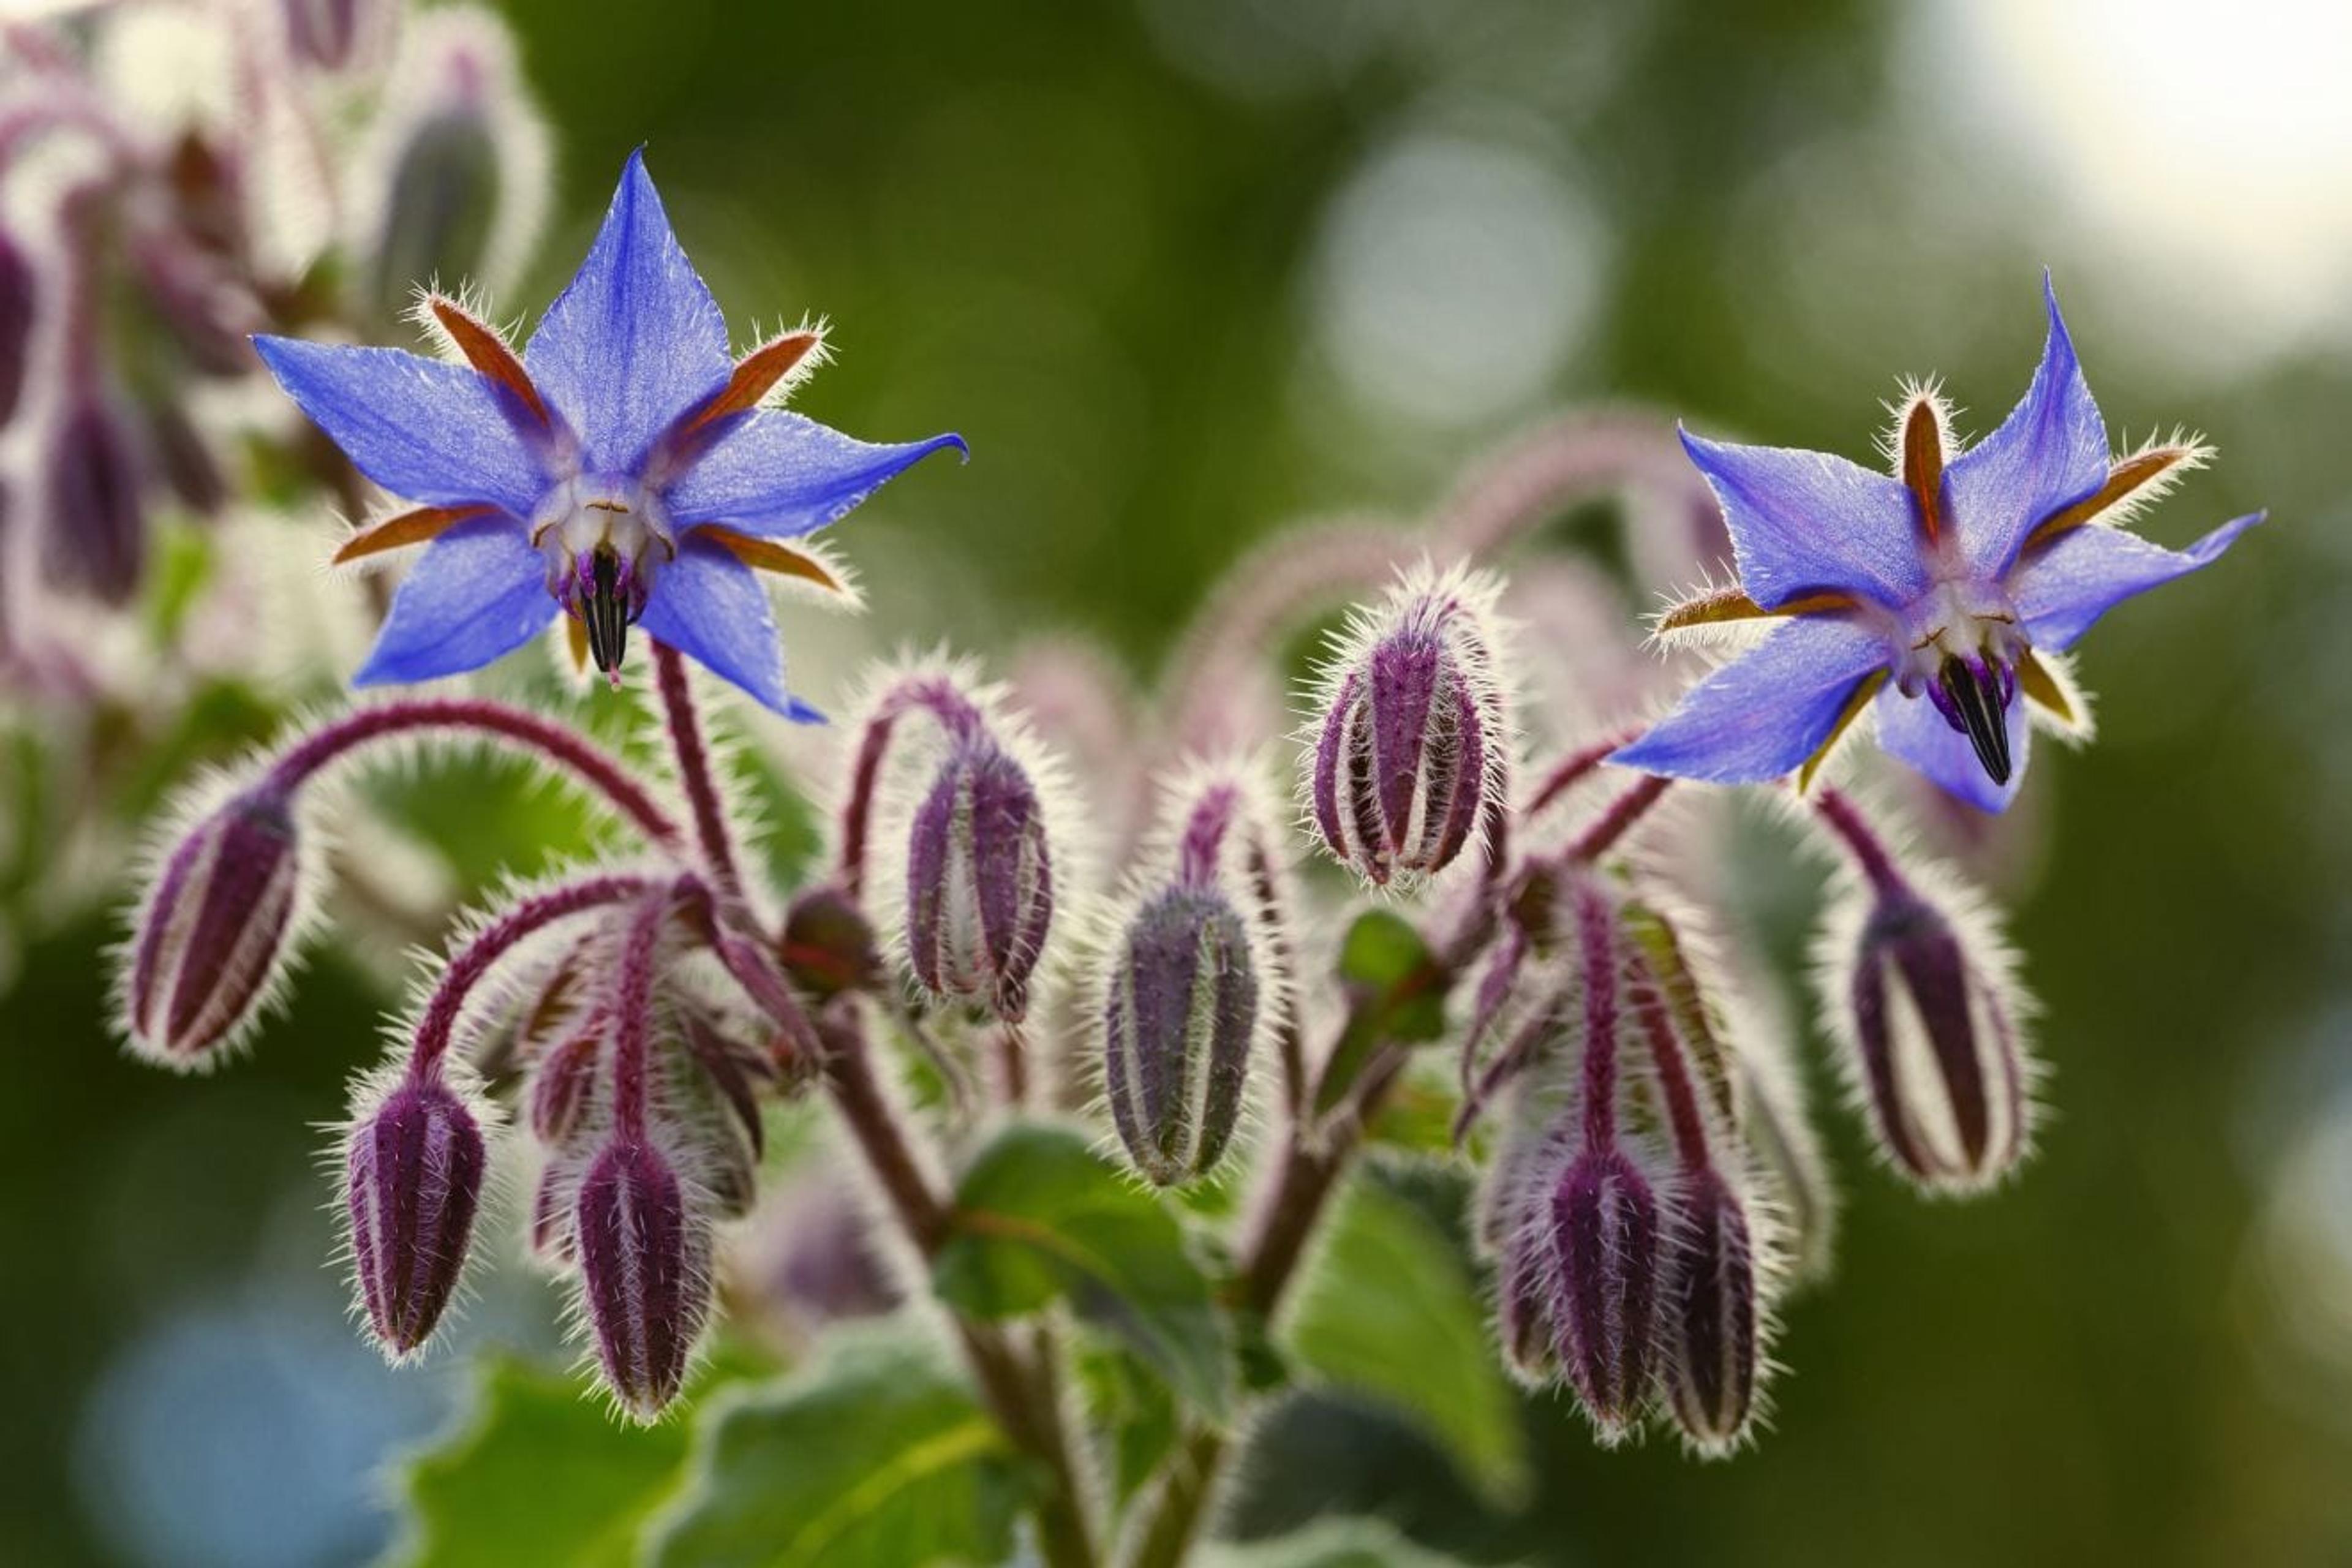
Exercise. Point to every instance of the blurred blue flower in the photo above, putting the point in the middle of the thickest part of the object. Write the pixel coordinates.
(622, 468)
(1943, 594)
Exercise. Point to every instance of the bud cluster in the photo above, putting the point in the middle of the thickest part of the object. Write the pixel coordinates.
(148, 236)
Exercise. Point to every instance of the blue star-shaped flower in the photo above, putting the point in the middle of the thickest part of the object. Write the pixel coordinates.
(1943, 596)
(620, 469)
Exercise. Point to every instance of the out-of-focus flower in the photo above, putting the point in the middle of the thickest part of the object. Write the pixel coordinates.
(1941, 594)
(620, 468)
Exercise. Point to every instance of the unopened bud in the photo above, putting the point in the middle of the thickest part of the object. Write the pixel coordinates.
(644, 1266)
(412, 1170)
(1178, 1014)
(979, 880)
(213, 939)
(1712, 1310)
(828, 948)
(1527, 1284)
(1936, 1049)
(1604, 1232)
(1410, 753)
(96, 538)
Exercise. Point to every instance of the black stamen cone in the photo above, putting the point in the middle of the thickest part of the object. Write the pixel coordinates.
(606, 610)
(1974, 693)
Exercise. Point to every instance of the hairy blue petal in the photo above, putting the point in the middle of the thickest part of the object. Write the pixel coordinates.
(2059, 590)
(1763, 714)
(1911, 728)
(478, 593)
(2050, 452)
(1803, 522)
(635, 340)
(781, 475)
(425, 431)
(710, 607)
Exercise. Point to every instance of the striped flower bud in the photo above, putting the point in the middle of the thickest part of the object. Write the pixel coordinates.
(213, 937)
(1712, 1309)
(1605, 1240)
(1180, 1009)
(1935, 1048)
(563, 1088)
(413, 1171)
(1526, 1283)
(828, 948)
(1410, 751)
(979, 880)
(645, 1268)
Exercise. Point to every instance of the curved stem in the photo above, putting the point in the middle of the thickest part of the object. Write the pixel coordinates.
(1613, 824)
(602, 774)
(1525, 484)
(1871, 855)
(933, 694)
(1571, 770)
(694, 770)
(494, 942)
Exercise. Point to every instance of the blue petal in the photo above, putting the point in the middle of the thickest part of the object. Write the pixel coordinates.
(1803, 522)
(1913, 730)
(635, 340)
(783, 475)
(425, 431)
(709, 606)
(2050, 452)
(479, 592)
(1760, 716)
(2061, 590)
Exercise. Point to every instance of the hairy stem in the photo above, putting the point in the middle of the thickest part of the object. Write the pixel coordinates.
(1871, 855)
(527, 732)
(494, 942)
(1617, 820)
(695, 772)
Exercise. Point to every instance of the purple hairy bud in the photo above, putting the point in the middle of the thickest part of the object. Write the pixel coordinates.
(1527, 1284)
(1179, 1012)
(1409, 754)
(1935, 1047)
(979, 880)
(413, 1171)
(213, 937)
(1712, 1309)
(1605, 1240)
(97, 538)
(643, 1263)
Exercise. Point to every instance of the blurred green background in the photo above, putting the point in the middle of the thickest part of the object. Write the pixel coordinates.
(1183, 269)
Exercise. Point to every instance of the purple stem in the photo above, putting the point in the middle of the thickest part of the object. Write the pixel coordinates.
(1596, 932)
(1870, 853)
(466, 969)
(1614, 822)
(602, 772)
(694, 770)
(956, 715)
(1204, 839)
(1683, 1113)
(1569, 771)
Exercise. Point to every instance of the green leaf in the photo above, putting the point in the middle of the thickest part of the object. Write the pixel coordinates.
(1333, 1543)
(873, 1455)
(1040, 1217)
(1124, 1399)
(1396, 994)
(1390, 1314)
(543, 1473)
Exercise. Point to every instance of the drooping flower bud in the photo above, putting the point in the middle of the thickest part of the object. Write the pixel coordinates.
(213, 937)
(1712, 1312)
(96, 538)
(979, 880)
(1179, 1015)
(413, 1171)
(1411, 748)
(644, 1266)
(1527, 1284)
(1605, 1239)
(1935, 1047)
